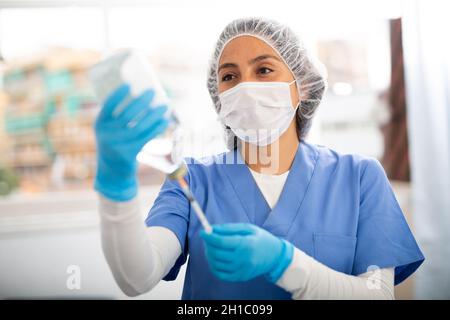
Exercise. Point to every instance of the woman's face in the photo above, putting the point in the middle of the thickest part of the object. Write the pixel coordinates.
(248, 58)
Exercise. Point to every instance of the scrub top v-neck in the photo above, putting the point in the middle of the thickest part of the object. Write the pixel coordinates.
(339, 209)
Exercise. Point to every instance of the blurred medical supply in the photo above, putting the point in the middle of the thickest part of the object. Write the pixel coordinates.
(47, 106)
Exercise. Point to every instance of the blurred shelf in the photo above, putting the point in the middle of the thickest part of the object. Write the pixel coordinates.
(48, 117)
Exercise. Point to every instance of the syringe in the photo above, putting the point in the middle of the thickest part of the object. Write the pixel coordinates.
(178, 175)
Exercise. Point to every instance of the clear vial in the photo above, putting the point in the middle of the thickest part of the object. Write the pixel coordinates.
(132, 67)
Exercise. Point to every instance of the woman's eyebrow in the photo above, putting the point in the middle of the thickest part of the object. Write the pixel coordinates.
(252, 61)
(227, 65)
(263, 57)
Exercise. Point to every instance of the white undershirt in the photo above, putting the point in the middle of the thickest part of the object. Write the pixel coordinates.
(270, 185)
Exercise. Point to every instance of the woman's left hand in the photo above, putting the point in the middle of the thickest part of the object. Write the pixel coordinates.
(243, 251)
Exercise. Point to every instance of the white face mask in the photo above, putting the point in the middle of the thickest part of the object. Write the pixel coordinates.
(258, 112)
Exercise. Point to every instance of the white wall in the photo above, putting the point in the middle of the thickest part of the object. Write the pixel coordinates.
(41, 237)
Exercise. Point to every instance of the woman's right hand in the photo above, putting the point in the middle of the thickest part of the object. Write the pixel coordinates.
(122, 128)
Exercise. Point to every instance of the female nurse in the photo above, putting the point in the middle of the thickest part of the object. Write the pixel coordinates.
(290, 219)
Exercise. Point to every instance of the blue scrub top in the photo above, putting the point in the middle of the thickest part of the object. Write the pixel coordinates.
(339, 209)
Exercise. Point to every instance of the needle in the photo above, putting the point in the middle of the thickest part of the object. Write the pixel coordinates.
(200, 214)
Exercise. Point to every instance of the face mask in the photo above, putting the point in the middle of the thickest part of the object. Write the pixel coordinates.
(258, 112)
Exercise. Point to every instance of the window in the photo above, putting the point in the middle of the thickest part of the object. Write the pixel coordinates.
(48, 106)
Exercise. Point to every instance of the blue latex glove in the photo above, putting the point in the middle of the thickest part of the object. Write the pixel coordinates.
(121, 130)
(243, 251)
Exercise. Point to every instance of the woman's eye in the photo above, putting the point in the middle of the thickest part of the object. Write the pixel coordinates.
(227, 77)
(264, 70)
